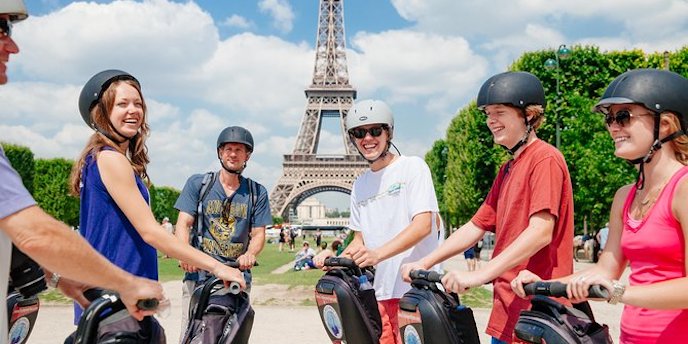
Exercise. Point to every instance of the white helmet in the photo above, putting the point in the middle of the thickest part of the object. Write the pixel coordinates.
(15, 8)
(369, 111)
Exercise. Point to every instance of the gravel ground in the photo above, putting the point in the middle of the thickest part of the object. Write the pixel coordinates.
(283, 320)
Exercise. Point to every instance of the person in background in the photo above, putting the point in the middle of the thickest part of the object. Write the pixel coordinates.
(645, 111)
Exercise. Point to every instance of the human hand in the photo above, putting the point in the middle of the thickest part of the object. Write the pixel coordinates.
(229, 275)
(319, 259)
(364, 257)
(140, 289)
(246, 261)
(187, 267)
(523, 277)
(577, 288)
(74, 290)
(460, 281)
(408, 267)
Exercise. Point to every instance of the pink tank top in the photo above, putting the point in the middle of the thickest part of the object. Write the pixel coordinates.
(655, 248)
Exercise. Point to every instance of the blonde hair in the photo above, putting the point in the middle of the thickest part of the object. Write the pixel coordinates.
(679, 144)
(538, 115)
(137, 152)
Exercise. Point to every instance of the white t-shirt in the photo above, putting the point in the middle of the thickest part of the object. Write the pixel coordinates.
(383, 203)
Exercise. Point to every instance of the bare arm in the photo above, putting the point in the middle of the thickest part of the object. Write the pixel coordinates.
(182, 231)
(248, 259)
(56, 247)
(668, 294)
(119, 181)
(419, 228)
(466, 236)
(537, 235)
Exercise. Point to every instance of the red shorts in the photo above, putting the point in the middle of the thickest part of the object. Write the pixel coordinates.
(390, 322)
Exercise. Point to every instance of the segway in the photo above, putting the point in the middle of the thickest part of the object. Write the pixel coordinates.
(549, 321)
(219, 315)
(430, 315)
(107, 321)
(346, 303)
(26, 281)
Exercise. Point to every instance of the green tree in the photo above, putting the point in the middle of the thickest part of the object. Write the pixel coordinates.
(51, 190)
(472, 163)
(162, 202)
(436, 159)
(22, 161)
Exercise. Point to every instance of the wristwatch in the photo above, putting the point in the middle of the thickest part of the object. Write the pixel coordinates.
(54, 280)
(617, 293)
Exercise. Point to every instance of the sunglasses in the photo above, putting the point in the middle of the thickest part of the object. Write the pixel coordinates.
(621, 117)
(360, 133)
(5, 28)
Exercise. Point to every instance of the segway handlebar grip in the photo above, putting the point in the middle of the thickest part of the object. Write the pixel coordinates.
(430, 276)
(148, 304)
(234, 288)
(343, 262)
(558, 289)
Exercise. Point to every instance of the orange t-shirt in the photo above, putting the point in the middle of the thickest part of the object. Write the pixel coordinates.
(537, 181)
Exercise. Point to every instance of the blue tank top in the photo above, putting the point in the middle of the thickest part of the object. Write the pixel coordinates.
(103, 224)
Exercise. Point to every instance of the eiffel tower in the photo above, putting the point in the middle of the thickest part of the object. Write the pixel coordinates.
(305, 172)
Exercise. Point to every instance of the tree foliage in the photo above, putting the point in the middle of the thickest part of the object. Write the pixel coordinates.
(51, 190)
(162, 202)
(21, 159)
(472, 159)
(436, 159)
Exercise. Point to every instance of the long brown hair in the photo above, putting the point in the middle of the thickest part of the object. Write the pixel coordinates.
(679, 144)
(137, 152)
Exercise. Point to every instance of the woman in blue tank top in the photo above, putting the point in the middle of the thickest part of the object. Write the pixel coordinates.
(110, 178)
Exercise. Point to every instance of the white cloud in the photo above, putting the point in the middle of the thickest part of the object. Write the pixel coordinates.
(237, 21)
(280, 10)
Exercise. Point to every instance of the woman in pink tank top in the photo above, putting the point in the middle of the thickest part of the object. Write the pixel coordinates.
(646, 112)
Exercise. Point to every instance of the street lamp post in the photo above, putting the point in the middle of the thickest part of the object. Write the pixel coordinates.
(562, 53)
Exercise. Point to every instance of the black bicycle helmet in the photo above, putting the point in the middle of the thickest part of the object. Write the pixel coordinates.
(236, 135)
(658, 91)
(94, 88)
(518, 89)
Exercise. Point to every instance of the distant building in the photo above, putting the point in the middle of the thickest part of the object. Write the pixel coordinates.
(312, 212)
(310, 209)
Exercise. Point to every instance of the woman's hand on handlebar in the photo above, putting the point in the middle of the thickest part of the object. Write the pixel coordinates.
(578, 287)
(523, 277)
(140, 289)
(229, 275)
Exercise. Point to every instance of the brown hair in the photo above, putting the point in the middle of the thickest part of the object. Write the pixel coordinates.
(679, 144)
(538, 113)
(137, 152)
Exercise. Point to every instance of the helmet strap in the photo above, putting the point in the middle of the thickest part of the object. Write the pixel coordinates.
(237, 172)
(657, 145)
(112, 127)
(523, 140)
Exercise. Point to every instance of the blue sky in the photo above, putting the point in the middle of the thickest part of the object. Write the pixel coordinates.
(208, 64)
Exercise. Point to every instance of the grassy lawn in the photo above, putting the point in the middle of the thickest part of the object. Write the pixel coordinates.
(269, 260)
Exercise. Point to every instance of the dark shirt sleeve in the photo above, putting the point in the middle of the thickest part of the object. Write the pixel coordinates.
(262, 216)
(188, 198)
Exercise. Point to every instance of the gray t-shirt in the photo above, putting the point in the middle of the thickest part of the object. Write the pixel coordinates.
(13, 198)
(225, 219)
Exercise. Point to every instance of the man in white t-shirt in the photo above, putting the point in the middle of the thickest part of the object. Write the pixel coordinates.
(392, 207)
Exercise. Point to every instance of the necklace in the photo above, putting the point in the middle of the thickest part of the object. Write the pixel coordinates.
(652, 195)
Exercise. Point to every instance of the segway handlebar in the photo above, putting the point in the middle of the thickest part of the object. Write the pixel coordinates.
(558, 289)
(343, 262)
(430, 276)
(234, 287)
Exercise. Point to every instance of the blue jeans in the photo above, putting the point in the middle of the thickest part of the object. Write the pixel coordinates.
(497, 341)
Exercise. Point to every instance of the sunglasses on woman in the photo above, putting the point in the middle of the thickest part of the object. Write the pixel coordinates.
(621, 117)
(360, 133)
(5, 27)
